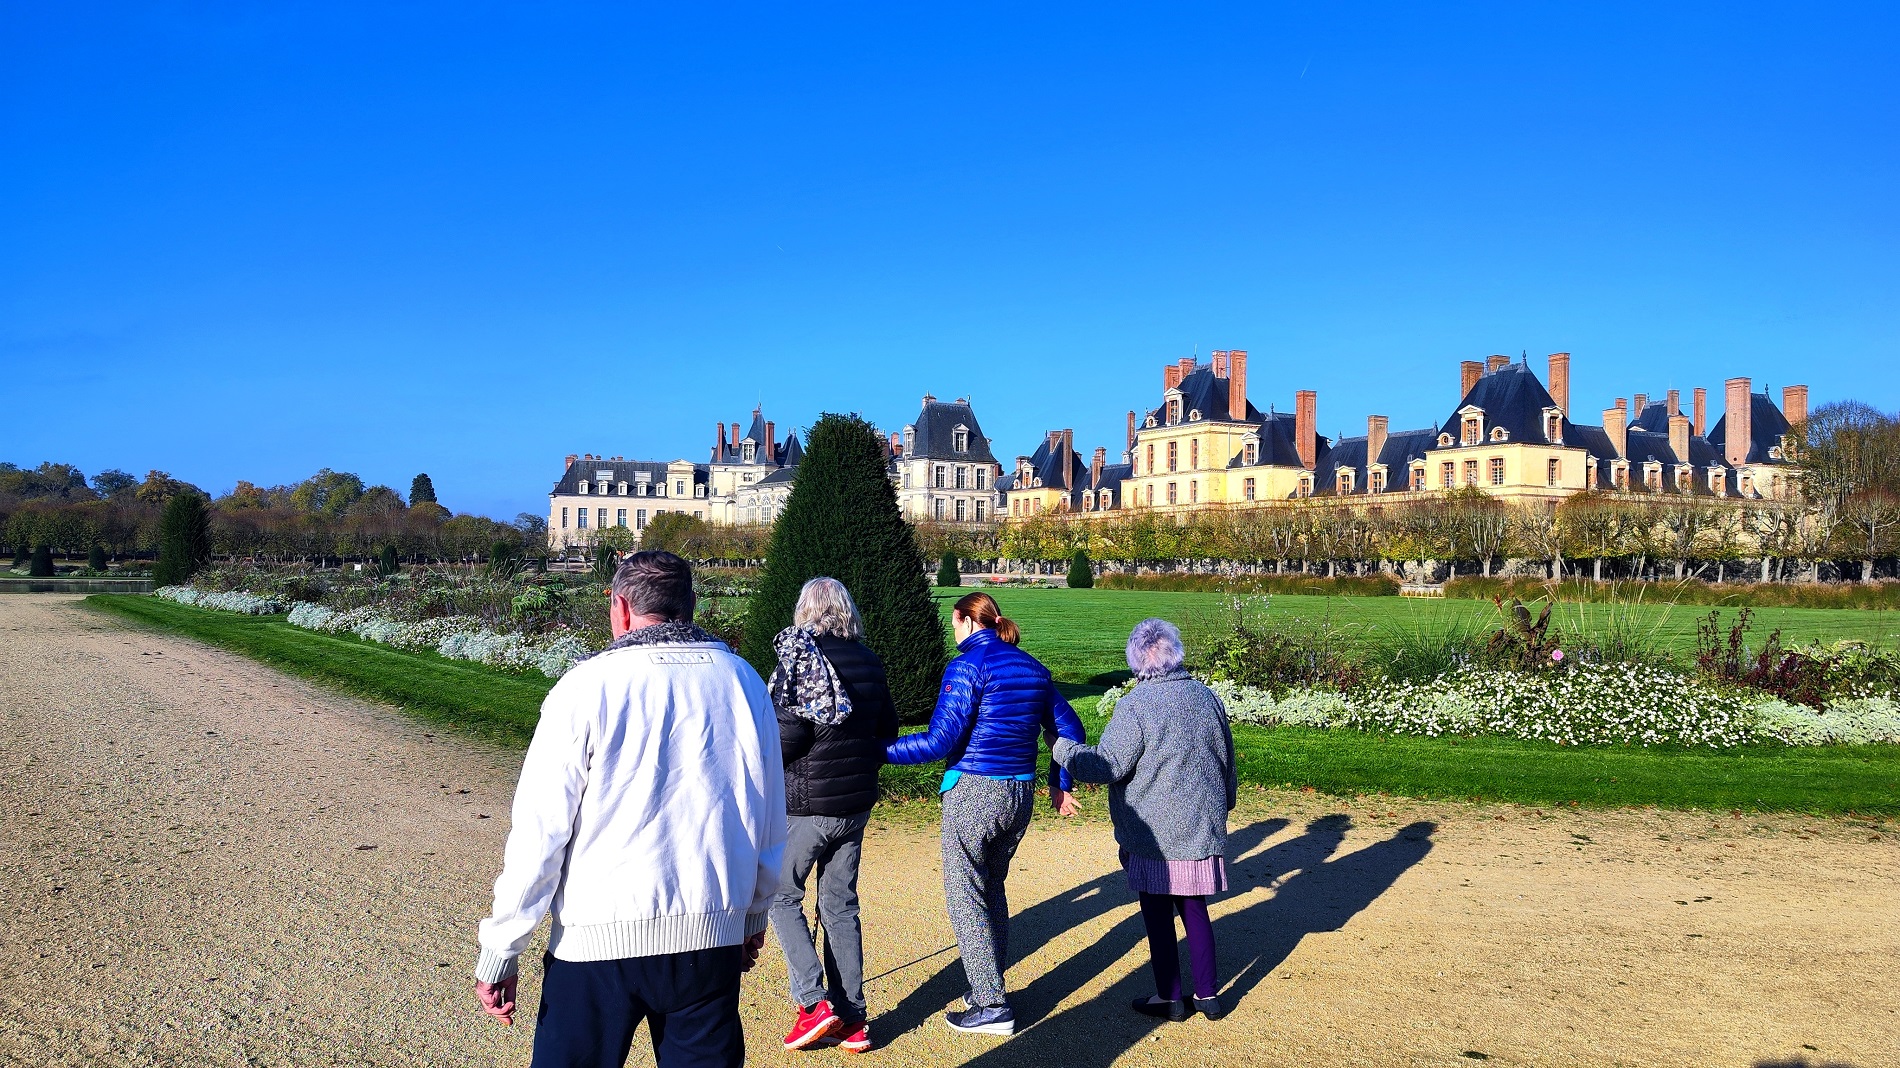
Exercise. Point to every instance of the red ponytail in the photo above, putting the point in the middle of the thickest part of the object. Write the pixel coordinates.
(981, 608)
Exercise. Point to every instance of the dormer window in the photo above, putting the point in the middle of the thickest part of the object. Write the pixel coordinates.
(1498, 433)
(1652, 476)
(1718, 481)
(1418, 477)
(621, 489)
(1682, 478)
(1444, 441)
(1306, 485)
(1554, 428)
(1249, 453)
(910, 440)
(1194, 416)
(1174, 410)
(1150, 421)
(584, 487)
(1378, 481)
(1774, 452)
(1345, 482)
(1473, 430)
(699, 491)
(749, 453)
(1106, 498)
(960, 439)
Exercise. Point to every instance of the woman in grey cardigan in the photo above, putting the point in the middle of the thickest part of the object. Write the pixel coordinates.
(1168, 757)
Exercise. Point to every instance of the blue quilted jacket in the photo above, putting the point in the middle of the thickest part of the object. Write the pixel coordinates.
(996, 699)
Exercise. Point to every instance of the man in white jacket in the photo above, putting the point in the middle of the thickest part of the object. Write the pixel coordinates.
(650, 819)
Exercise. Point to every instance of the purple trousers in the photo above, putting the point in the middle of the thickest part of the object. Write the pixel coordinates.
(1157, 913)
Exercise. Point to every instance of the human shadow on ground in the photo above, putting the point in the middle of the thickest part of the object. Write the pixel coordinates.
(1321, 896)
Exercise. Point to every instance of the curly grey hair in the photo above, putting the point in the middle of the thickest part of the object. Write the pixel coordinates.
(1154, 649)
(825, 607)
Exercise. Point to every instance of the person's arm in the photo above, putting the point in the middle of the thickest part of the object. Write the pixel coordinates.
(768, 839)
(547, 799)
(1061, 723)
(1233, 763)
(949, 723)
(1110, 760)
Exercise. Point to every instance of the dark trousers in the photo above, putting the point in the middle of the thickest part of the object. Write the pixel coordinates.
(690, 1002)
(1157, 914)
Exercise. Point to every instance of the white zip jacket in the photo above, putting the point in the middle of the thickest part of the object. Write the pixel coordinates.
(650, 814)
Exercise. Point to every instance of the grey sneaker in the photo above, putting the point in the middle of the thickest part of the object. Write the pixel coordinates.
(997, 1020)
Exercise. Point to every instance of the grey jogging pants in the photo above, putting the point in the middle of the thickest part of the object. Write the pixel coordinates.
(832, 844)
(983, 823)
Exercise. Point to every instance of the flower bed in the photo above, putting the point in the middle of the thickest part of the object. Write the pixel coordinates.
(249, 604)
(1590, 704)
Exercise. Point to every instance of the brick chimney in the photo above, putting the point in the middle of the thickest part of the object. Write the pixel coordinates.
(1623, 406)
(735, 437)
(1496, 363)
(1701, 423)
(1468, 374)
(1220, 363)
(1560, 380)
(1170, 376)
(1794, 404)
(897, 444)
(771, 442)
(719, 437)
(1305, 427)
(571, 457)
(1675, 403)
(1375, 440)
(1642, 405)
(1736, 429)
(1679, 437)
(1186, 364)
(1131, 428)
(1096, 465)
(1237, 385)
(1616, 425)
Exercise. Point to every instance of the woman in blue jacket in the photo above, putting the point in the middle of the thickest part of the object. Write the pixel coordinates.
(996, 701)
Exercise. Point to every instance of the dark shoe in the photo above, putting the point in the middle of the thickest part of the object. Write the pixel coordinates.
(1171, 1011)
(996, 1020)
(1209, 1007)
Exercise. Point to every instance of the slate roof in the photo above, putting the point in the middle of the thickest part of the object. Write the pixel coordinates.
(1512, 398)
(1400, 449)
(1046, 464)
(627, 471)
(785, 453)
(1766, 425)
(935, 429)
(781, 477)
(1202, 392)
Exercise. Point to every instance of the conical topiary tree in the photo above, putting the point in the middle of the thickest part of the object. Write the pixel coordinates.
(948, 572)
(184, 540)
(842, 521)
(42, 565)
(386, 562)
(1081, 577)
(96, 557)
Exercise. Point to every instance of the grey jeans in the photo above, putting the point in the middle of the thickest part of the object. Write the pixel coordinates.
(833, 844)
(983, 822)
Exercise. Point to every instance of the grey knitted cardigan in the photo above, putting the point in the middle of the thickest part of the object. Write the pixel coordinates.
(1168, 757)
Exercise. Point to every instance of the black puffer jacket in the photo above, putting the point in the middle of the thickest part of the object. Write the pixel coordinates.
(832, 771)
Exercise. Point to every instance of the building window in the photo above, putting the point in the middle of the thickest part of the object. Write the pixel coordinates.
(910, 439)
(1345, 482)
(640, 519)
(1620, 477)
(960, 440)
(1474, 430)
(620, 517)
(698, 514)
(679, 489)
(601, 519)
(1246, 489)
(1553, 472)
(1498, 433)
(1172, 497)
(1194, 454)
(1194, 491)
(1418, 479)
(749, 452)
(1107, 499)
(1682, 480)
(1151, 459)
(1035, 506)
(1151, 495)
(937, 480)
(1497, 470)
(1174, 411)
(1446, 471)
(963, 477)
(1652, 477)
(1248, 452)
(580, 518)
(1306, 485)
(936, 508)
(960, 507)
(1471, 472)
(583, 487)
(979, 511)
(982, 478)
(1378, 481)
(906, 479)
(1553, 428)
(563, 519)
(1173, 452)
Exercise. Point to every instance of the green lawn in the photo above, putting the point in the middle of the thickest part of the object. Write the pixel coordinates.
(1080, 633)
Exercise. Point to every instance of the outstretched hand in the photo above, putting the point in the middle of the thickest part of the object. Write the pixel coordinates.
(498, 999)
(754, 945)
(1062, 801)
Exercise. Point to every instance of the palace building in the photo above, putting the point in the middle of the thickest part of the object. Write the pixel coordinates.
(942, 467)
(1510, 435)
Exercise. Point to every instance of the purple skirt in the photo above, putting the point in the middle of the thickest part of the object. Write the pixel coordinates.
(1178, 878)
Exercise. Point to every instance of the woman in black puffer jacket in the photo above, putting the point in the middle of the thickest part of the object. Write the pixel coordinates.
(835, 716)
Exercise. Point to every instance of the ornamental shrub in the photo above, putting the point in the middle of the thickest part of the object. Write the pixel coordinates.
(949, 573)
(386, 562)
(184, 540)
(842, 521)
(1081, 576)
(42, 565)
(96, 557)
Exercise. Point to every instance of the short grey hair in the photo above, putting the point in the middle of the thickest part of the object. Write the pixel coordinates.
(1154, 648)
(825, 607)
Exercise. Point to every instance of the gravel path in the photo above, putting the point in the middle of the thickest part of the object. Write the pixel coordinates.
(205, 862)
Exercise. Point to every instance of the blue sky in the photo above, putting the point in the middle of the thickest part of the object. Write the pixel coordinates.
(249, 241)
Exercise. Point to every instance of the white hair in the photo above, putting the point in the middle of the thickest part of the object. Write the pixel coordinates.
(825, 607)
(1154, 648)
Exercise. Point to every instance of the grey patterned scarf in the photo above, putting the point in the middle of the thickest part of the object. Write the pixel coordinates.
(676, 632)
(804, 683)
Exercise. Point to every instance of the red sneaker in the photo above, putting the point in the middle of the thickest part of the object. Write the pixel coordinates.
(812, 1025)
(851, 1037)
